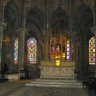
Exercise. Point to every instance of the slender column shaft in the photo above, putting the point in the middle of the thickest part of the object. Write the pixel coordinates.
(21, 48)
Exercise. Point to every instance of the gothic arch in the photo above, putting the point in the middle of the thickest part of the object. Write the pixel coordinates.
(59, 19)
(83, 24)
(59, 15)
(14, 1)
(32, 50)
(35, 16)
(12, 18)
(59, 23)
(92, 51)
(35, 24)
(83, 19)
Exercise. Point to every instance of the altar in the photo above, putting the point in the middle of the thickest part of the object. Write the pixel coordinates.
(64, 70)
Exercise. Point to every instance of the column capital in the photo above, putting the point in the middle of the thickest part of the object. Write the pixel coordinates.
(22, 30)
(3, 24)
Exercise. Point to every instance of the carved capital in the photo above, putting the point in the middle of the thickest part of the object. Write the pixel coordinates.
(22, 31)
(3, 24)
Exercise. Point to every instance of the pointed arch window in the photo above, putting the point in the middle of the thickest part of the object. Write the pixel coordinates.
(32, 50)
(60, 50)
(92, 50)
(16, 51)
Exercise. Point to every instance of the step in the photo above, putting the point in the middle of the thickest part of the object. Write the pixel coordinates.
(55, 80)
(66, 83)
(55, 83)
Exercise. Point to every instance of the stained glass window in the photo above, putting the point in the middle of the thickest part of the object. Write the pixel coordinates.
(92, 50)
(32, 50)
(16, 51)
(60, 49)
(68, 50)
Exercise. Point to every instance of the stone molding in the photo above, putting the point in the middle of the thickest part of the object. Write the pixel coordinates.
(21, 31)
(3, 24)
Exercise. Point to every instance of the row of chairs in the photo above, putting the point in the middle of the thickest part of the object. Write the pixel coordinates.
(90, 85)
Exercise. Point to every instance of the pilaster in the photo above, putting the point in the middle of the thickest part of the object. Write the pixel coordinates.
(12, 50)
(2, 26)
(21, 34)
(93, 30)
(47, 44)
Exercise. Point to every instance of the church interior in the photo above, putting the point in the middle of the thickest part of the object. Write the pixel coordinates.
(48, 39)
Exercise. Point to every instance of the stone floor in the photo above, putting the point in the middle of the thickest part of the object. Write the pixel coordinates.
(18, 88)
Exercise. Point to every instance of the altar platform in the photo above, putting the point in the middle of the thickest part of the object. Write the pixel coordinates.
(65, 70)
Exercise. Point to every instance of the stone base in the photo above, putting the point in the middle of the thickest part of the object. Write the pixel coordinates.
(65, 71)
(13, 77)
(57, 72)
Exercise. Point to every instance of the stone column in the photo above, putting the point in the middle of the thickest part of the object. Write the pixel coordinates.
(93, 6)
(95, 48)
(47, 44)
(12, 41)
(74, 46)
(22, 32)
(46, 29)
(94, 32)
(2, 25)
(77, 53)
